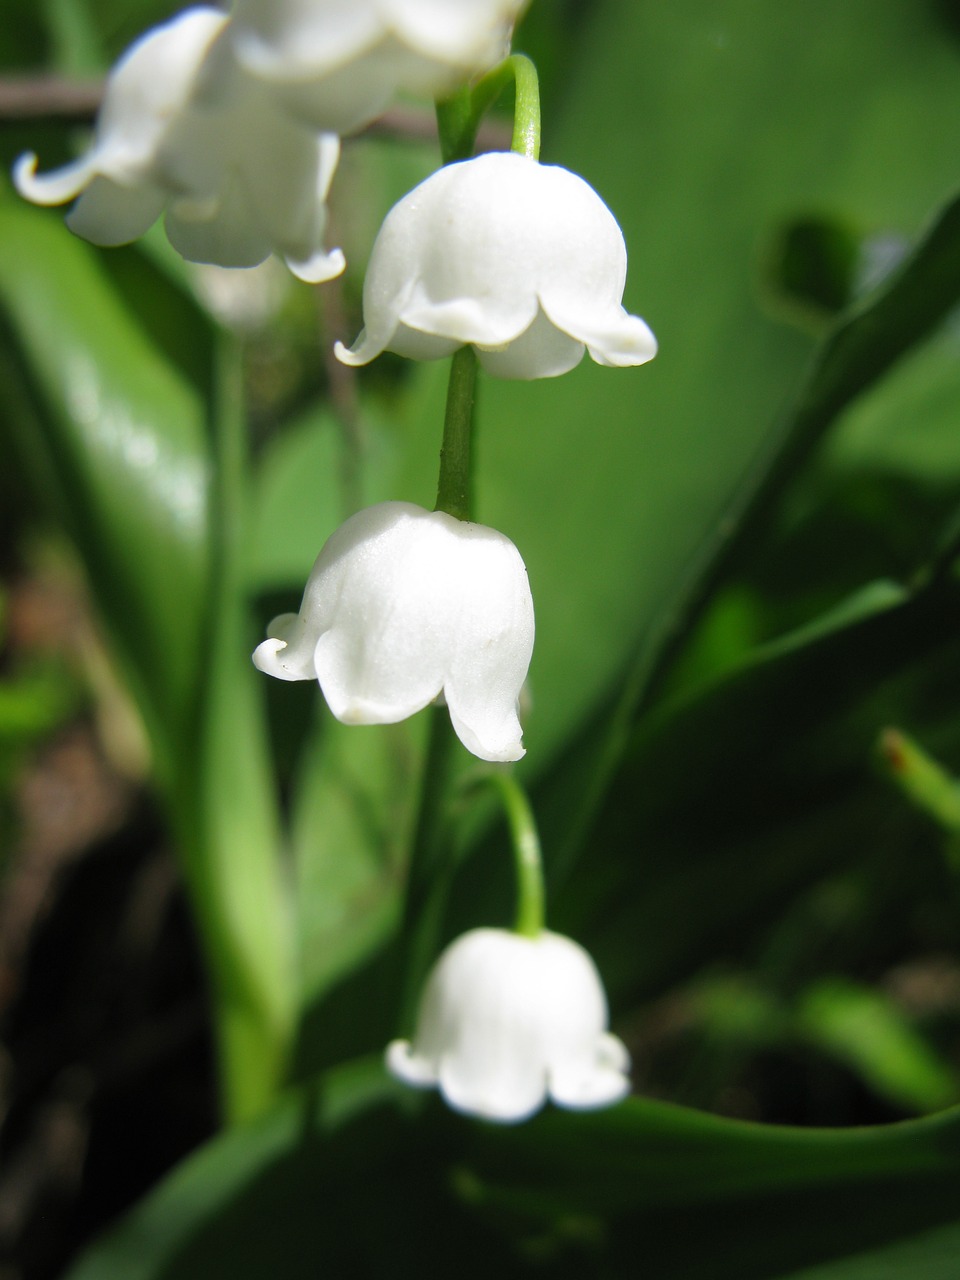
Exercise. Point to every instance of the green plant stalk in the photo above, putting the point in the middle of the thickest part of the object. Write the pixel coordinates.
(459, 116)
(921, 779)
(456, 453)
(226, 806)
(528, 859)
(428, 873)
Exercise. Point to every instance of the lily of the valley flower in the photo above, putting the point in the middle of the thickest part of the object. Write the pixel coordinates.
(404, 604)
(506, 1021)
(522, 260)
(338, 63)
(186, 131)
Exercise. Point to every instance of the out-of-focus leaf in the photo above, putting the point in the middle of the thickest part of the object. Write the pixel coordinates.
(864, 1028)
(297, 502)
(351, 826)
(334, 1182)
(858, 351)
(929, 1255)
(114, 440)
(734, 796)
(762, 1198)
(906, 424)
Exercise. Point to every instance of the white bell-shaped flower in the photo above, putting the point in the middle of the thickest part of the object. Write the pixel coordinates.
(506, 1021)
(184, 129)
(338, 63)
(404, 604)
(522, 260)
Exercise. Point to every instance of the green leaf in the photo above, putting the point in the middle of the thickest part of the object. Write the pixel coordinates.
(335, 1182)
(865, 1029)
(350, 830)
(734, 796)
(616, 484)
(113, 437)
(929, 1255)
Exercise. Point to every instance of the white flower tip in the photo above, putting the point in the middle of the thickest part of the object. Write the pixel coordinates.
(633, 344)
(282, 653)
(355, 355)
(319, 267)
(52, 188)
(594, 1084)
(409, 1067)
(502, 752)
(266, 658)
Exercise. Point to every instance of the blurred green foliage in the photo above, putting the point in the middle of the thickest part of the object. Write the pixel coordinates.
(743, 561)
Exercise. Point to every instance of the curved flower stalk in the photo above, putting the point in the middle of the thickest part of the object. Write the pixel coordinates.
(404, 604)
(184, 130)
(506, 1021)
(337, 63)
(524, 261)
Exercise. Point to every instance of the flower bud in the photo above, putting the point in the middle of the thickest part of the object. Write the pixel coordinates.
(522, 260)
(404, 604)
(506, 1021)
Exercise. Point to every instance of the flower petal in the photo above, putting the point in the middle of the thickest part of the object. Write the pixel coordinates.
(55, 187)
(616, 339)
(320, 267)
(541, 351)
(470, 33)
(110, 214)
(410, 1067)
(507, 1087)
(596, 1081)
(288, 653)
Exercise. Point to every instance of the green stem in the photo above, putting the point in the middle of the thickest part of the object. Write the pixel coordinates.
(526, 853)
(456, 452)
(458, 117)
(228, 816)
(526, 113)
(430, 869)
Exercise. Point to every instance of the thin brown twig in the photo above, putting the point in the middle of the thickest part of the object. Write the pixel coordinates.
(61, 100)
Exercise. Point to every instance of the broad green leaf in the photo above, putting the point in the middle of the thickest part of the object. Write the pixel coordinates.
(735, 796)
(906, 425)
(113, 437)
(859, 349)
(696, 1194)
(297, 502)
(350, 831)
(929, 1255)
(336, 1182)
(615, 485)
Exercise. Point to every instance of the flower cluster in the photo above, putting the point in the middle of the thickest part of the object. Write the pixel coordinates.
(338, 63)
(229, 127)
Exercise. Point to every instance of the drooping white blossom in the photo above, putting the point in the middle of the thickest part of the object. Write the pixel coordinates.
(404, 604)
(507, 1021)
(185, 131)
(338, 63)
(522, 260)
